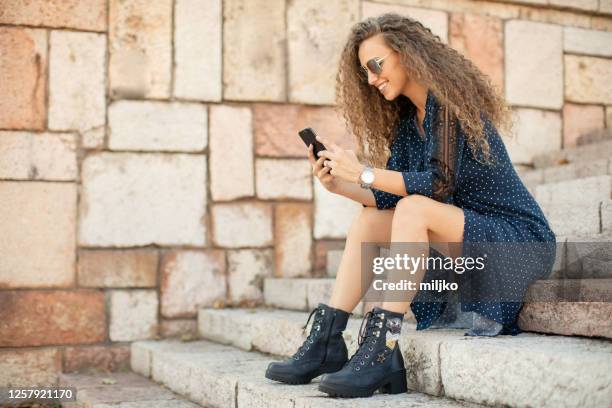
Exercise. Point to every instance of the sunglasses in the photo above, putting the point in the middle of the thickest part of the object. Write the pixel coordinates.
(373, 65)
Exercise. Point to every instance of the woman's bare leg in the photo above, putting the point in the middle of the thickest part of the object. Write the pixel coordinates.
(370, 225)
(420, 219)
(415, 219)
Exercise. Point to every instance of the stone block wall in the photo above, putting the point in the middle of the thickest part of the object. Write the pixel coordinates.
(150, 164)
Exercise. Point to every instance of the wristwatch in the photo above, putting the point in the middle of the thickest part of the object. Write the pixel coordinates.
(366, 178)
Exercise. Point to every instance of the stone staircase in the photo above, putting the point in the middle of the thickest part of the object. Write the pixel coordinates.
(563, 359)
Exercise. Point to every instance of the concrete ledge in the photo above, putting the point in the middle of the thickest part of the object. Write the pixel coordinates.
(559, 306)
(221, 376)
(546, 364)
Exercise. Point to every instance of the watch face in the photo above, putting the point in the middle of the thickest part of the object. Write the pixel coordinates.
(367, 176)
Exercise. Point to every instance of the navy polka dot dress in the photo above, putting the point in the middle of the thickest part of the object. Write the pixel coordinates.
(503, 223)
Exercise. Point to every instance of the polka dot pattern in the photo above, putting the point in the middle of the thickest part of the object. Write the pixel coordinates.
(498, 209)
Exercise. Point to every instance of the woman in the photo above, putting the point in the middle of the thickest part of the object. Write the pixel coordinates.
(448, 182)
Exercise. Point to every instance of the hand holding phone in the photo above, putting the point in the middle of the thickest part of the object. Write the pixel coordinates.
(318, 169)
(309, 137)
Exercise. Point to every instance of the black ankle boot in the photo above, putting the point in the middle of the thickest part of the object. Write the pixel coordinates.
(323, 351)
(377, 364)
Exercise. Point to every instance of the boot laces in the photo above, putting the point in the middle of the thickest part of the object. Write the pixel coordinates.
(368, 336)
(319, 314)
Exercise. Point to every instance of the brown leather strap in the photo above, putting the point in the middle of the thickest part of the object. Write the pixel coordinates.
(444, 155)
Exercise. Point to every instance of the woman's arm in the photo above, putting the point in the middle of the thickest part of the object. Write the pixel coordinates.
(356, 193)
(438, 179)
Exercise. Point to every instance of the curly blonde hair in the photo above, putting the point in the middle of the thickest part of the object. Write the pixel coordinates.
(454, 80)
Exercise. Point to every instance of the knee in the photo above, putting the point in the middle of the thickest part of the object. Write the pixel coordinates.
(412, 208)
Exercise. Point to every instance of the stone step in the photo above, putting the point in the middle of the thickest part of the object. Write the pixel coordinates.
(120, 390)
(569, 171)
(577, 191)
(300, 293)
(584, 257)
(585, 153)
(219, 376)
(527, 370)
(578, 206)
(571, 307)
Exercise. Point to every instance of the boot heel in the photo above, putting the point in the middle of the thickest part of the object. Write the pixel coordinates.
(397, 383)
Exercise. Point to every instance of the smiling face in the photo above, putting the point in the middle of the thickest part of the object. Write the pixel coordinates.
(393, 79)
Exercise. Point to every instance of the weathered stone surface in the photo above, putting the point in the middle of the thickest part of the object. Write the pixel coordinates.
(50, 210)
(289, 336)
(25, 368)
(100, 358)
(322, 247)
(24, 77)
(333, 213)
(435, 20)
(537, 132)
(205, 371)
(301, 293)
(480, 39)
(182, 328)
(590, 5)
(606, 216)
(253, 47)
(38, 156)
(127, 390)
(316, 31)
(559, 17)
(276, 128)
(579, 120)
(255, 392)
(533, 64)
(402, 400)
(118, 269)
(140, 355)
(138, 199)
(36, 318)
(584, 191)
(580, 169)
(133, 314)
(77, 81)
(94, 138)
(215, 326)
(587, 152)
(220, 376)
(590, 42)
(231, 153)
(319, 291)
(568, 318)
(247, 270)
(77, 14)
(588, 79)
(571, 219)
(247, 223)
(197, 49)
(535, 365)
(293, 240)
(157, 126)
(283, 178)
(140, 48)
(446, 361)
(286, 293)
(505, 11)
(190, 280)
(609, 116)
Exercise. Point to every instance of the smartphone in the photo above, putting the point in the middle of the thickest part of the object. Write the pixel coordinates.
(308, 135)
